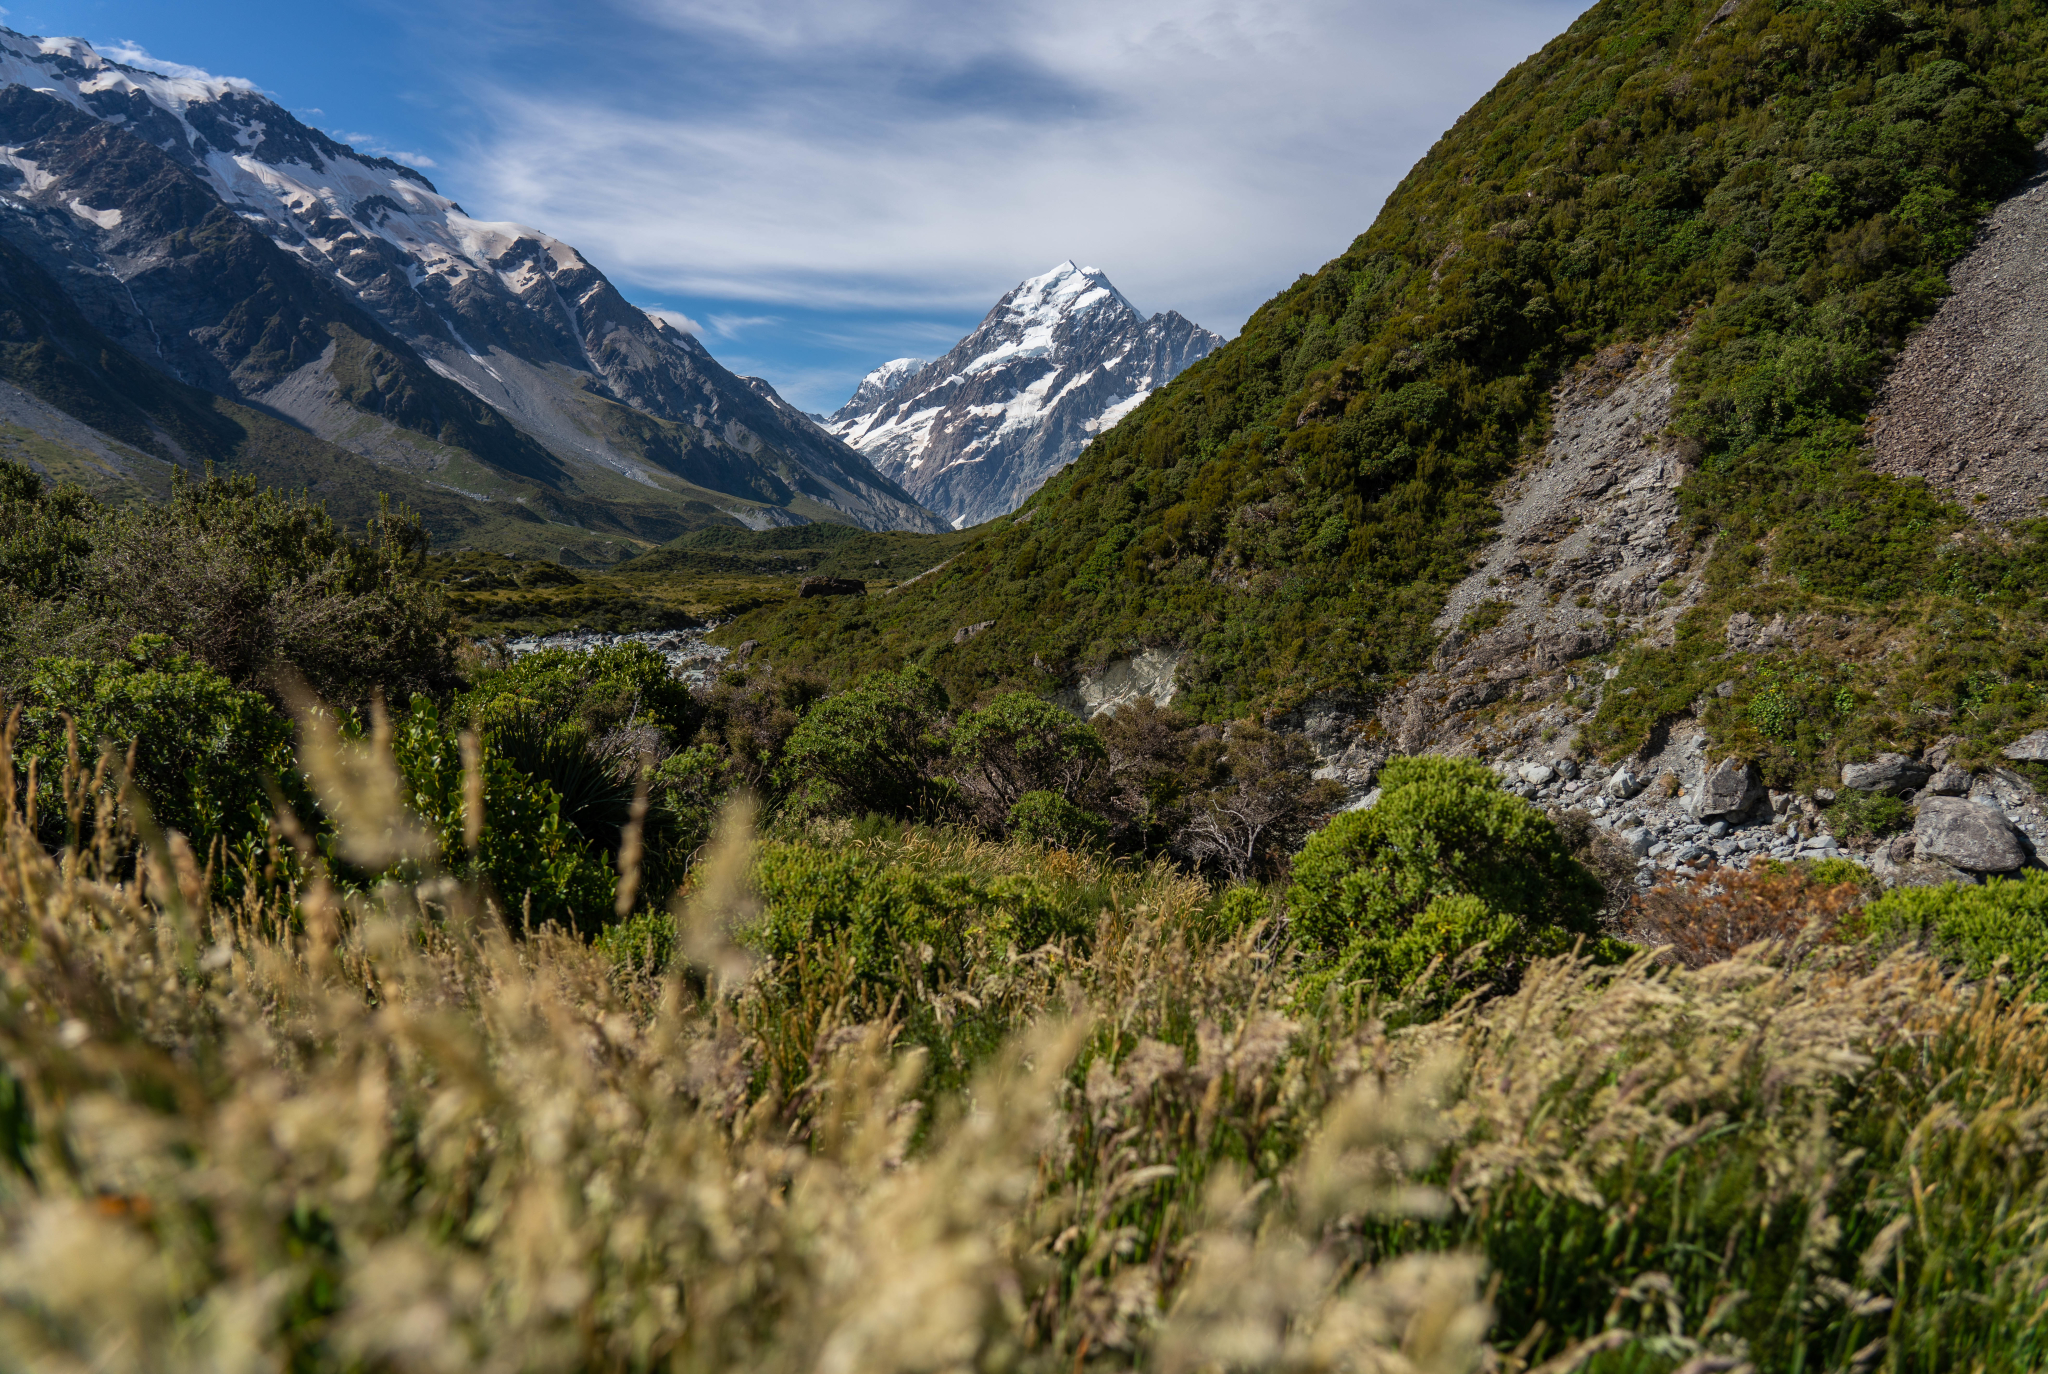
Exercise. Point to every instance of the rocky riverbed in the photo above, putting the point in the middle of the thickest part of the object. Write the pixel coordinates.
(1680, 813)
(690, 656)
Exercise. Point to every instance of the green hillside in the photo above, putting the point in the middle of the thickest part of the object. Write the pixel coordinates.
(1787, 182)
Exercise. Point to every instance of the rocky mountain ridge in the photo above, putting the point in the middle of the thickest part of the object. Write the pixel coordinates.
(1059, 359)
(222, 241)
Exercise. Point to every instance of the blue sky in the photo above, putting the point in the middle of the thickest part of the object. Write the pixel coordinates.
(822, 185)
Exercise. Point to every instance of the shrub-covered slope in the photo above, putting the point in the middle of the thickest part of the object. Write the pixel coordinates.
(1785, 183)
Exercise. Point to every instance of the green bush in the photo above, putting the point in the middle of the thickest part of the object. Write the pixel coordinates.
(888, 915)
(872, 748)
(611, 688)
(1444, 860)
(1049, 818)
(253, 585)
(1972, 928)
(1020, 743)
(528, 854)
(203, 747)
(1867, 815)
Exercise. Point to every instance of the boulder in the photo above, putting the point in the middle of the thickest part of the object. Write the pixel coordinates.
(832, 586)
(1623, 785)
(1888, 773)
(1950, 781)
(1729, 788)
(1968, 836)
(1638, 840)
(1536, 774)
(2029, 748)
(1566, 768)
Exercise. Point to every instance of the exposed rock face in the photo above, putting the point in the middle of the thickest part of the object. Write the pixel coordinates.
(1949, 781)
(1730, 788)
(2029, 748)
(1967, 835)
(1593, 520)
(1059, 360)
(1890, 773)
(1967, 406)
(1122, 681)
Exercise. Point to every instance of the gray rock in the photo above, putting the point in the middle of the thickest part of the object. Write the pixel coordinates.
(1729, 788)
(1824, 796)
(1890, 773)
(1658, 850)
(1818, 842)
(1637, 840)
(1950, 781)
(1566, 768)
(1718, 829)
(1623, 785)
(2029, 748)
(1968, 836)
(1536, 774)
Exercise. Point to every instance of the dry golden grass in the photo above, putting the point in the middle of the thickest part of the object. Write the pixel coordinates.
(322, 1128)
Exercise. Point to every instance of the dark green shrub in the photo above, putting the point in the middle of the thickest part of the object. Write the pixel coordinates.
(609, 689)
(1049, 818)
(1445, 859)
(203, 747)
(1253, 797)
(528, 854)
(1865, 816)
(1972, 928)
(252, 584)
(1020, 743)
(872, 748)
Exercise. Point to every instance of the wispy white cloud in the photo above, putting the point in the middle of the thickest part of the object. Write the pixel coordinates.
(377, 147)
(675, 318)
(922, 155)
(132, 54)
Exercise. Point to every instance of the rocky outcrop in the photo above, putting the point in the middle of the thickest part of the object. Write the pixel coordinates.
(1586, 550)
(1966, 834)
(1891, 774)
(1149, 673)
(1967, 406)
(2029, 748)
(1729, 789)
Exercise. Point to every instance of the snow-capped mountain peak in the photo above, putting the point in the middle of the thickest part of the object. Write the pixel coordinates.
(1060, 358)
(519, 319)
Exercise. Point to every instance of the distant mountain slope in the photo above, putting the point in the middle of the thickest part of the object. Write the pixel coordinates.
(1059, 360)
(219, 239)
(1778, 186)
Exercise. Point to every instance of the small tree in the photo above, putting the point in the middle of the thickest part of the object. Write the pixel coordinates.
(1260, 798)
(874, 748)
(1018, 744)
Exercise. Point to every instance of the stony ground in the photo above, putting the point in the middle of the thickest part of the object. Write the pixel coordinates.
(1967, 405)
